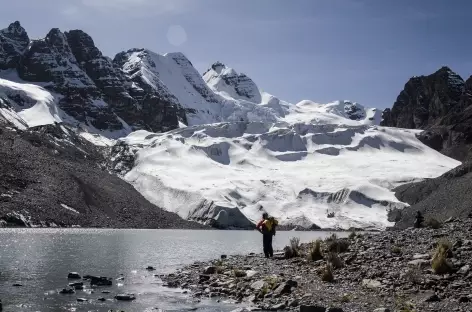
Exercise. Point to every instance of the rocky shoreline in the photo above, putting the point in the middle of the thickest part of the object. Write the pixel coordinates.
(425, 269)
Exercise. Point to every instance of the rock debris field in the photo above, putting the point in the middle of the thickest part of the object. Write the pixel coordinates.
(425, 269)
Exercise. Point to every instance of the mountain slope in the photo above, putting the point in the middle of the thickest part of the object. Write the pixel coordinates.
(49, 176)
(448, 195)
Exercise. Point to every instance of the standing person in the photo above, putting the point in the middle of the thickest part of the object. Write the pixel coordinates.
(267, 227)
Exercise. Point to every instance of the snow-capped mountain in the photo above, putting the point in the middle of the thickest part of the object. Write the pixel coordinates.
(213, 148)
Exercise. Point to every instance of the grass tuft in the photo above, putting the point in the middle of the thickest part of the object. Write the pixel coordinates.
(327, 274)
(315, 251)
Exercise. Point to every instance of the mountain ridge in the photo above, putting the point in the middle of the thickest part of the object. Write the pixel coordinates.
(210, 148)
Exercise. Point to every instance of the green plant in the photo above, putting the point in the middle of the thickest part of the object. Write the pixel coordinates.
(327, 273)
(315, 251)
(433, 223)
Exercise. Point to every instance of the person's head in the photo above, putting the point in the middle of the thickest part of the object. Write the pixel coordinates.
(265, 215)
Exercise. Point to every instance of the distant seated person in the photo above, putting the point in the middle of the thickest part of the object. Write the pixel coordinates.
(267, 227)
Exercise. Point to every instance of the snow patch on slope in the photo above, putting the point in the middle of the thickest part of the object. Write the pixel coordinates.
(28, 105)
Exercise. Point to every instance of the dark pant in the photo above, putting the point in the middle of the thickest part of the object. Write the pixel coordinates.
(267, 242)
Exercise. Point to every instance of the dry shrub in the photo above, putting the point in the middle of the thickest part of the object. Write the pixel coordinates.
(327, 274)
(352, 235)
(315, 251)
(293, 250)
(334, 260)
(440, 264)
(396, 250)
(239, 273)
(433, 223)
(337, 245)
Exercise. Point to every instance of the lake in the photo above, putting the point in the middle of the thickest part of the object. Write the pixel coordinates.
(40, 259)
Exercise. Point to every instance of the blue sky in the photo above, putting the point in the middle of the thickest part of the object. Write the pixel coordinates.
(322, 50)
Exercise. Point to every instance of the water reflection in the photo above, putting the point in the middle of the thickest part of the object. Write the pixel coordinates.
(40, 259)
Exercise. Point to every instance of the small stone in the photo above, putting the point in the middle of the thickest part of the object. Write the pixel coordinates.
(294, 303)
(209, 270)
(76, 284)
(464, 270)
(258, 285)
(421, 256)
(150, 268)
(464, 299)
(283, 290)
(432, 298)
(306, 308)
(105, 292)
(73, 275)
(382, 310)
(17, 285)
(67, 291)
(81, 300)
(101, 299)
(419, 263)
(278, 307)
(224, 256)
(370, 283)
(125, 297)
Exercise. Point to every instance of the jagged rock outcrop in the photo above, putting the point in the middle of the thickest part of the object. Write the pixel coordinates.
(441, 105)
(161, 107)
(236, 84)
(13, 42)
(93, 90)
(425, 100)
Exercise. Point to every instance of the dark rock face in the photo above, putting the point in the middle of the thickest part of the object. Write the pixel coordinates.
(447, 196)
(13, 42)
(51, 177)
(441, 104)
(94, 91)
(425, 100)
(161, 111)
(51, 60)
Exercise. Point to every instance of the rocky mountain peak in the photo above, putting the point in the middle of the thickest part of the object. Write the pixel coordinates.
(425, 100)
(13, 42)
(15, 31)
(82, 46)
(238, 85)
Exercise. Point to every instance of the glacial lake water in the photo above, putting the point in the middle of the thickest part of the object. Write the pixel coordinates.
(40, 259)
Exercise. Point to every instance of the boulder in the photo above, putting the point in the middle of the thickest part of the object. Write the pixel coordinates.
(370, 283)
(209, 270)
(73, 275)
(125, 297)
(67, 291)
(100, 281)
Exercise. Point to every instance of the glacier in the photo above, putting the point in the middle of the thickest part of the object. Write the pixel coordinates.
(242, 151)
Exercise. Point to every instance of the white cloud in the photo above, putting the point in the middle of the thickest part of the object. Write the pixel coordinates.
(151, 7)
